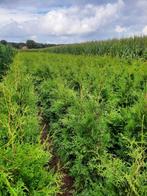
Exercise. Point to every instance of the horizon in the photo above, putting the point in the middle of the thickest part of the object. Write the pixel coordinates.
(88, 41)
(71, 21)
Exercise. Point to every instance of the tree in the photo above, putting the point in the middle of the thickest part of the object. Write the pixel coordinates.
(4, 42)
(31, 44)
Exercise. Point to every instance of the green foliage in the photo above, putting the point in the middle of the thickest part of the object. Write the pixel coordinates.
(126, 48)
(24, 168)
(31, 44)
(96, 109)
(6, 55)
(23, 171)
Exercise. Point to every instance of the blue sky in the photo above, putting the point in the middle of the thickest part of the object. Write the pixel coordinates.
(68, 21)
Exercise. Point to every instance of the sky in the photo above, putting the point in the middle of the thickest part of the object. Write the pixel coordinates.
(70, 21)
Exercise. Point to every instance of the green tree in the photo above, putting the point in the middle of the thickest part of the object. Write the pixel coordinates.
(31, 44)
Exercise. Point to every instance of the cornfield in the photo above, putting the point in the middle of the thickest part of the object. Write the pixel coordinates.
(135, 47)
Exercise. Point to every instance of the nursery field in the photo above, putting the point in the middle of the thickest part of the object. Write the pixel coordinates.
(73, 125)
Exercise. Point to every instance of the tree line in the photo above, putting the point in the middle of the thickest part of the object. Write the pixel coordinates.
(30, 44)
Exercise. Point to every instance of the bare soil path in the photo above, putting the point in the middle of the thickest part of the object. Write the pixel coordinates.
(67, 180)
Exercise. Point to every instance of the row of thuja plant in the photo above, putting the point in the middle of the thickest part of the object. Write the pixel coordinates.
(134, 47)
(96, 110)
(24, 168)
(6, 56)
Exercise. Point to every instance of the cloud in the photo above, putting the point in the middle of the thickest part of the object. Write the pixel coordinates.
(9, 16)
(79, 20)
(33, 37)
(120, 29)
(144, 31)
(141, 4)
(45, 4)
(61, 21)
(71, 20)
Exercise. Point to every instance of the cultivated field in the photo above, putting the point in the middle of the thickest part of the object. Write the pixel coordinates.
(73, 125)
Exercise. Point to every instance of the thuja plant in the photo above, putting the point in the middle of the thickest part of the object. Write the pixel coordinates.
(118, 177)
(96, 111)
(24, 168)
(91, 107)
(6, 56)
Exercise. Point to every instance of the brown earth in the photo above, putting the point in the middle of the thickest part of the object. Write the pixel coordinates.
(67, 180)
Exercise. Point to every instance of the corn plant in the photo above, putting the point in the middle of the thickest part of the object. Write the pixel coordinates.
(130, 48)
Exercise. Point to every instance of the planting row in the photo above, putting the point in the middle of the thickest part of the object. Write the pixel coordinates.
(95, 108)
(24, 168)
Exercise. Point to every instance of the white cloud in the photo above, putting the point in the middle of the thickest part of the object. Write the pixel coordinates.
(8, 16)
(67, 21)
(79, 20)
(144, 31)
(120, 29)
(142, 4)
(76, 21)
(33, 37)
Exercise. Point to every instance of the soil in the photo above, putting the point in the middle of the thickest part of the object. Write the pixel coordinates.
(67, 180)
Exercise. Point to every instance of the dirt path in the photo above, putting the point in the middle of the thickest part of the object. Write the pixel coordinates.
(55, 163)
